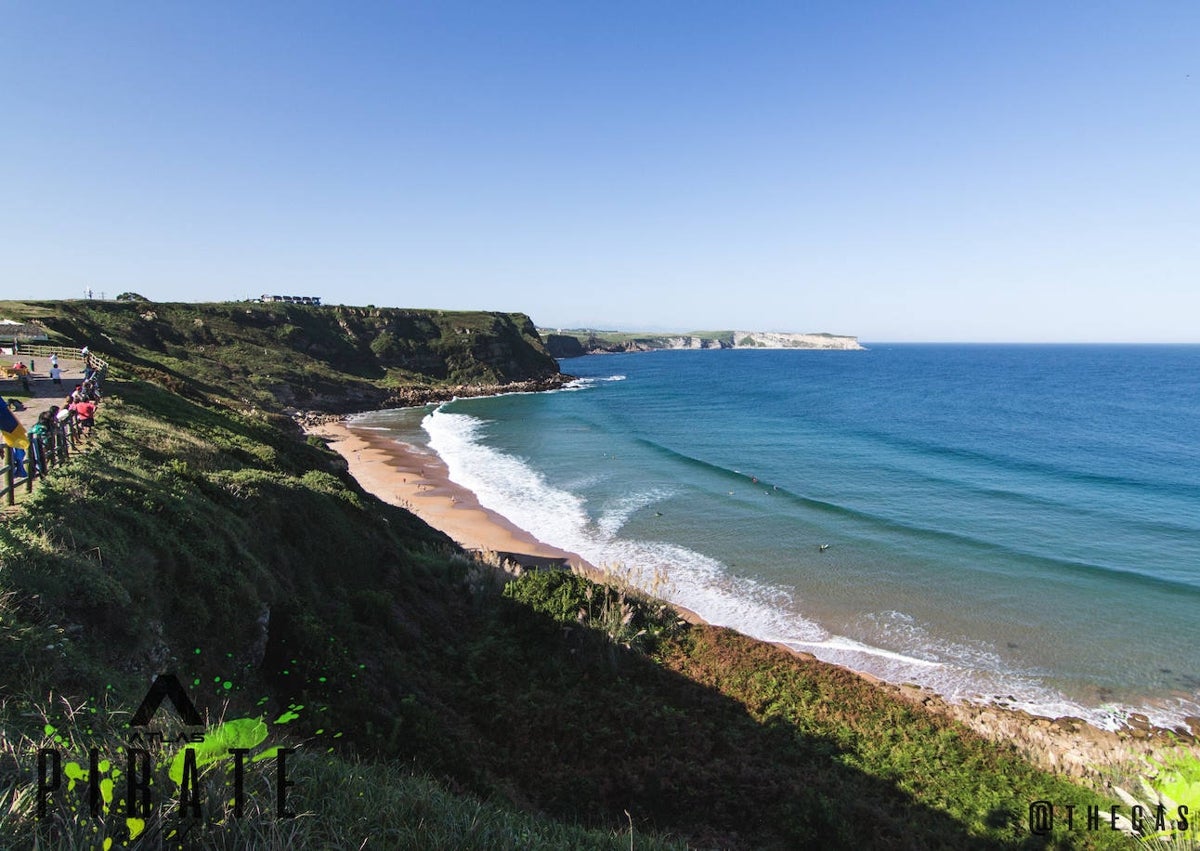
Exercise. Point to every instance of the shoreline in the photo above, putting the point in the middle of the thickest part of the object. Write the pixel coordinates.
(405, 476)
(418, 480)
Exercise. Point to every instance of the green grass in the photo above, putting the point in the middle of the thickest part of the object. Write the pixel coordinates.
(333, 801)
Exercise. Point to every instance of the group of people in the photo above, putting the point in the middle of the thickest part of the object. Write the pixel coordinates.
(82, 403)
(23, 371)
(51, 438)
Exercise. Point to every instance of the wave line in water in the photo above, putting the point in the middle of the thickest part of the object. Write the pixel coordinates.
(881, 522)
(1010, 463)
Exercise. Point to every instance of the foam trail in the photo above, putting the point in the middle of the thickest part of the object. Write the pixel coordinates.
(618, 512)
(586, 383)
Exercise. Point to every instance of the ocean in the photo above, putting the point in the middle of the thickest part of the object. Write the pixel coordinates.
(1015, 524)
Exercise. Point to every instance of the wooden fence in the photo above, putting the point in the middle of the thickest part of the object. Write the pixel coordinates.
(45, 350)
(55, 449)
(9, 491)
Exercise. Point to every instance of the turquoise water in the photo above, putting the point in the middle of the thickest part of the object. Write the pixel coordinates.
(1001, 523)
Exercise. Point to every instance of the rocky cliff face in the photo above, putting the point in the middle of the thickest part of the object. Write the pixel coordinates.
(688, 341)
(773, 340)
(564, 346)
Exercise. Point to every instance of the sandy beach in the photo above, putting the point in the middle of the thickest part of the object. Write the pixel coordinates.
(417, 480)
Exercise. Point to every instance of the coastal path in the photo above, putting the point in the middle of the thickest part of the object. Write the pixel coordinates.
(43, 394)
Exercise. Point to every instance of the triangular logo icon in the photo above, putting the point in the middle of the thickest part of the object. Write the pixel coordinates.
(166, 685)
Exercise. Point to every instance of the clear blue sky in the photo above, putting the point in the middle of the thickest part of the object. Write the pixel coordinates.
(927, 171)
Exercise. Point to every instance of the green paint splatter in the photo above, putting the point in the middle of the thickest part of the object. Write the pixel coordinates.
(239, 733)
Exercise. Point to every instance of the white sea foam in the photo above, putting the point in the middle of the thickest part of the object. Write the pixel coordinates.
(960, 671)
(586, 383)
(617, 512)
(586, 481)
(502, 482)
(855, 648)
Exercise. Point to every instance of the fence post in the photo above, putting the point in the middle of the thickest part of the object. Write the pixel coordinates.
(8, 476)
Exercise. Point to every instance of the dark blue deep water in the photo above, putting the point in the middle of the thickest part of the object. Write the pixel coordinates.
(1014, 523)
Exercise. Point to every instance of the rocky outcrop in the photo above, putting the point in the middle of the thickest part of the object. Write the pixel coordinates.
(1064, 745)
(411, 396)
(689, 341)
(564, 346)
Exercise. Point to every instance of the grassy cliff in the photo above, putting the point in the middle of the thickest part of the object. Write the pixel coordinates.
(431, 704)
(330, 358)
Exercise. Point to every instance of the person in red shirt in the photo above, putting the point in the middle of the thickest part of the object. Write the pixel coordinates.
(86, 411)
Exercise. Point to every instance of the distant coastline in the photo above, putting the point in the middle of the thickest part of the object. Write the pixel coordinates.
(576, 342)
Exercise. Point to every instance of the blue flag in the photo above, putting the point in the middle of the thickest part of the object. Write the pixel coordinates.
(13, 431)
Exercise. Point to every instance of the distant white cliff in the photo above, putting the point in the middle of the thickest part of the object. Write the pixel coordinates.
(575, 342)
(774, 340)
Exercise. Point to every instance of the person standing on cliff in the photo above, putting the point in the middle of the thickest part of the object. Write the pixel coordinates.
(85, 411)
(39, 441)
